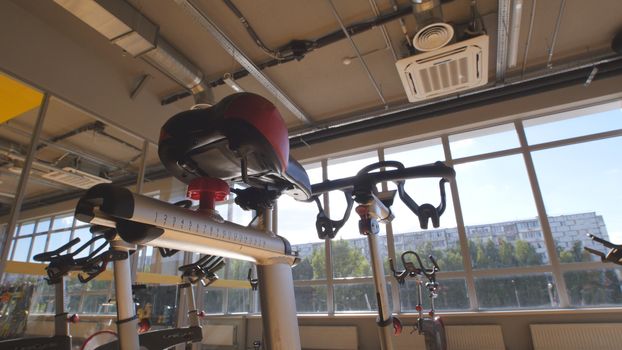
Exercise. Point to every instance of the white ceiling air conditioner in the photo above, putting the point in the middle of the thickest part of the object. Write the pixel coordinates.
(74, 177)
(447, 70)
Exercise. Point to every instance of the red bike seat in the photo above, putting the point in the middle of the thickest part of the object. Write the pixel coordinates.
(240, 139)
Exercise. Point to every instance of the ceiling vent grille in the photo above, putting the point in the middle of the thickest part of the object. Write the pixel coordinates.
(453, 68)
(76, 178)
(433, 37)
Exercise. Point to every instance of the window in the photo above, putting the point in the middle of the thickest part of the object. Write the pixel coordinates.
(499, 213)
(576, 123)
(483, 141)
(521, 246)
(581, 191)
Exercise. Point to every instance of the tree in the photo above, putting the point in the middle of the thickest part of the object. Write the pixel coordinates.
(526, 254)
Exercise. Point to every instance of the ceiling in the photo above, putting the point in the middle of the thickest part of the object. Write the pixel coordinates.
(325, 89)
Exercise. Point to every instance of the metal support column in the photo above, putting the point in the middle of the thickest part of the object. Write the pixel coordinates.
(127, 322)
(140, 180)
(23, 181)
(278, 304)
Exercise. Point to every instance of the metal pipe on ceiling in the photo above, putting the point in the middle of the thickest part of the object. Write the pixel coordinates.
(503, 24)
(383, 30)
(358, 53)
(297, 49)
(549, 61)
(529, 34)
(230, 47)
(109, 163)
(129, 29)
(608, 67)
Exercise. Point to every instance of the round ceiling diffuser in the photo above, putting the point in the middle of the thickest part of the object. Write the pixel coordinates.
(433, 37)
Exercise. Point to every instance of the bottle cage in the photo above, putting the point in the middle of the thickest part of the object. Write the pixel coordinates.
(364, 185)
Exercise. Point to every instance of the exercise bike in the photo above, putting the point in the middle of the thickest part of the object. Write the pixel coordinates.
(431, 326)
(203, 271)
(60, 263)
(374, 208)
(614, 255)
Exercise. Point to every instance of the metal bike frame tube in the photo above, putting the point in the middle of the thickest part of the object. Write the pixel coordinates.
(193, 315)
(127, 330)
(61, 326)
(382, 296)
(278, 303)
(187, 230)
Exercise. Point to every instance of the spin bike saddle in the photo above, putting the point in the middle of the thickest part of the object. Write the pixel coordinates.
(241, 139)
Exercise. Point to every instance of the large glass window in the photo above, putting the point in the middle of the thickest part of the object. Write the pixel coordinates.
(296, 222)
(581, 190)
(442, 242)
(350, 250)
(516, 292)
(499, 213)
(482, 141)
(574, 123)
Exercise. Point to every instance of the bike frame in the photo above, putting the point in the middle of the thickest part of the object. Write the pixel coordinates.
(147, 221)
(372, 210)
(61, 338)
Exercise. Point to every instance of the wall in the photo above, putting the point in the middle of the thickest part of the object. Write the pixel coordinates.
(515, 325)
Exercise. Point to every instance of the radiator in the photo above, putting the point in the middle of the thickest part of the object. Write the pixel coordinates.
(480, 337)
(576, 336)
(328, 338)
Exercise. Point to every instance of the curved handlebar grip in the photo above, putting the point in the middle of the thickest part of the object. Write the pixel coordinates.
(327, 228)
(425, 212)
(48, 256)
(431, 257)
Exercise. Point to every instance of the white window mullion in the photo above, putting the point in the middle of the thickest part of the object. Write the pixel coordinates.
(330, 295)
(564, 300)
(464, 241)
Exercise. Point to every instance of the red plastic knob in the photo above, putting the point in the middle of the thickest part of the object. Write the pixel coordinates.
(418, 308)
(202, 314)
(73, 318)
(208, 191)
(431, 313)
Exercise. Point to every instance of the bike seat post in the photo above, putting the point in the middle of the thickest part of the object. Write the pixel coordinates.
(61, 326)
(127, 321)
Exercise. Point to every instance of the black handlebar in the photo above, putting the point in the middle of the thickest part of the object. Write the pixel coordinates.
(360, 188)
(614, 254)
(438, 169)
(203, 270)
(410, 270)
(61, 263)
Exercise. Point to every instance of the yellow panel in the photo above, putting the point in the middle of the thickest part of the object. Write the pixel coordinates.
(16, 98)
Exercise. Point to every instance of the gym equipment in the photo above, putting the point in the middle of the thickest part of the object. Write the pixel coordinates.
(243, 140)
(60, 263)
(431, 326)
(614, 255)
(374, 207)
(203, 270)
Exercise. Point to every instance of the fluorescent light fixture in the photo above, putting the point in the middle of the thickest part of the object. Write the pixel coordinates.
(517, 13)
(228, 79)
